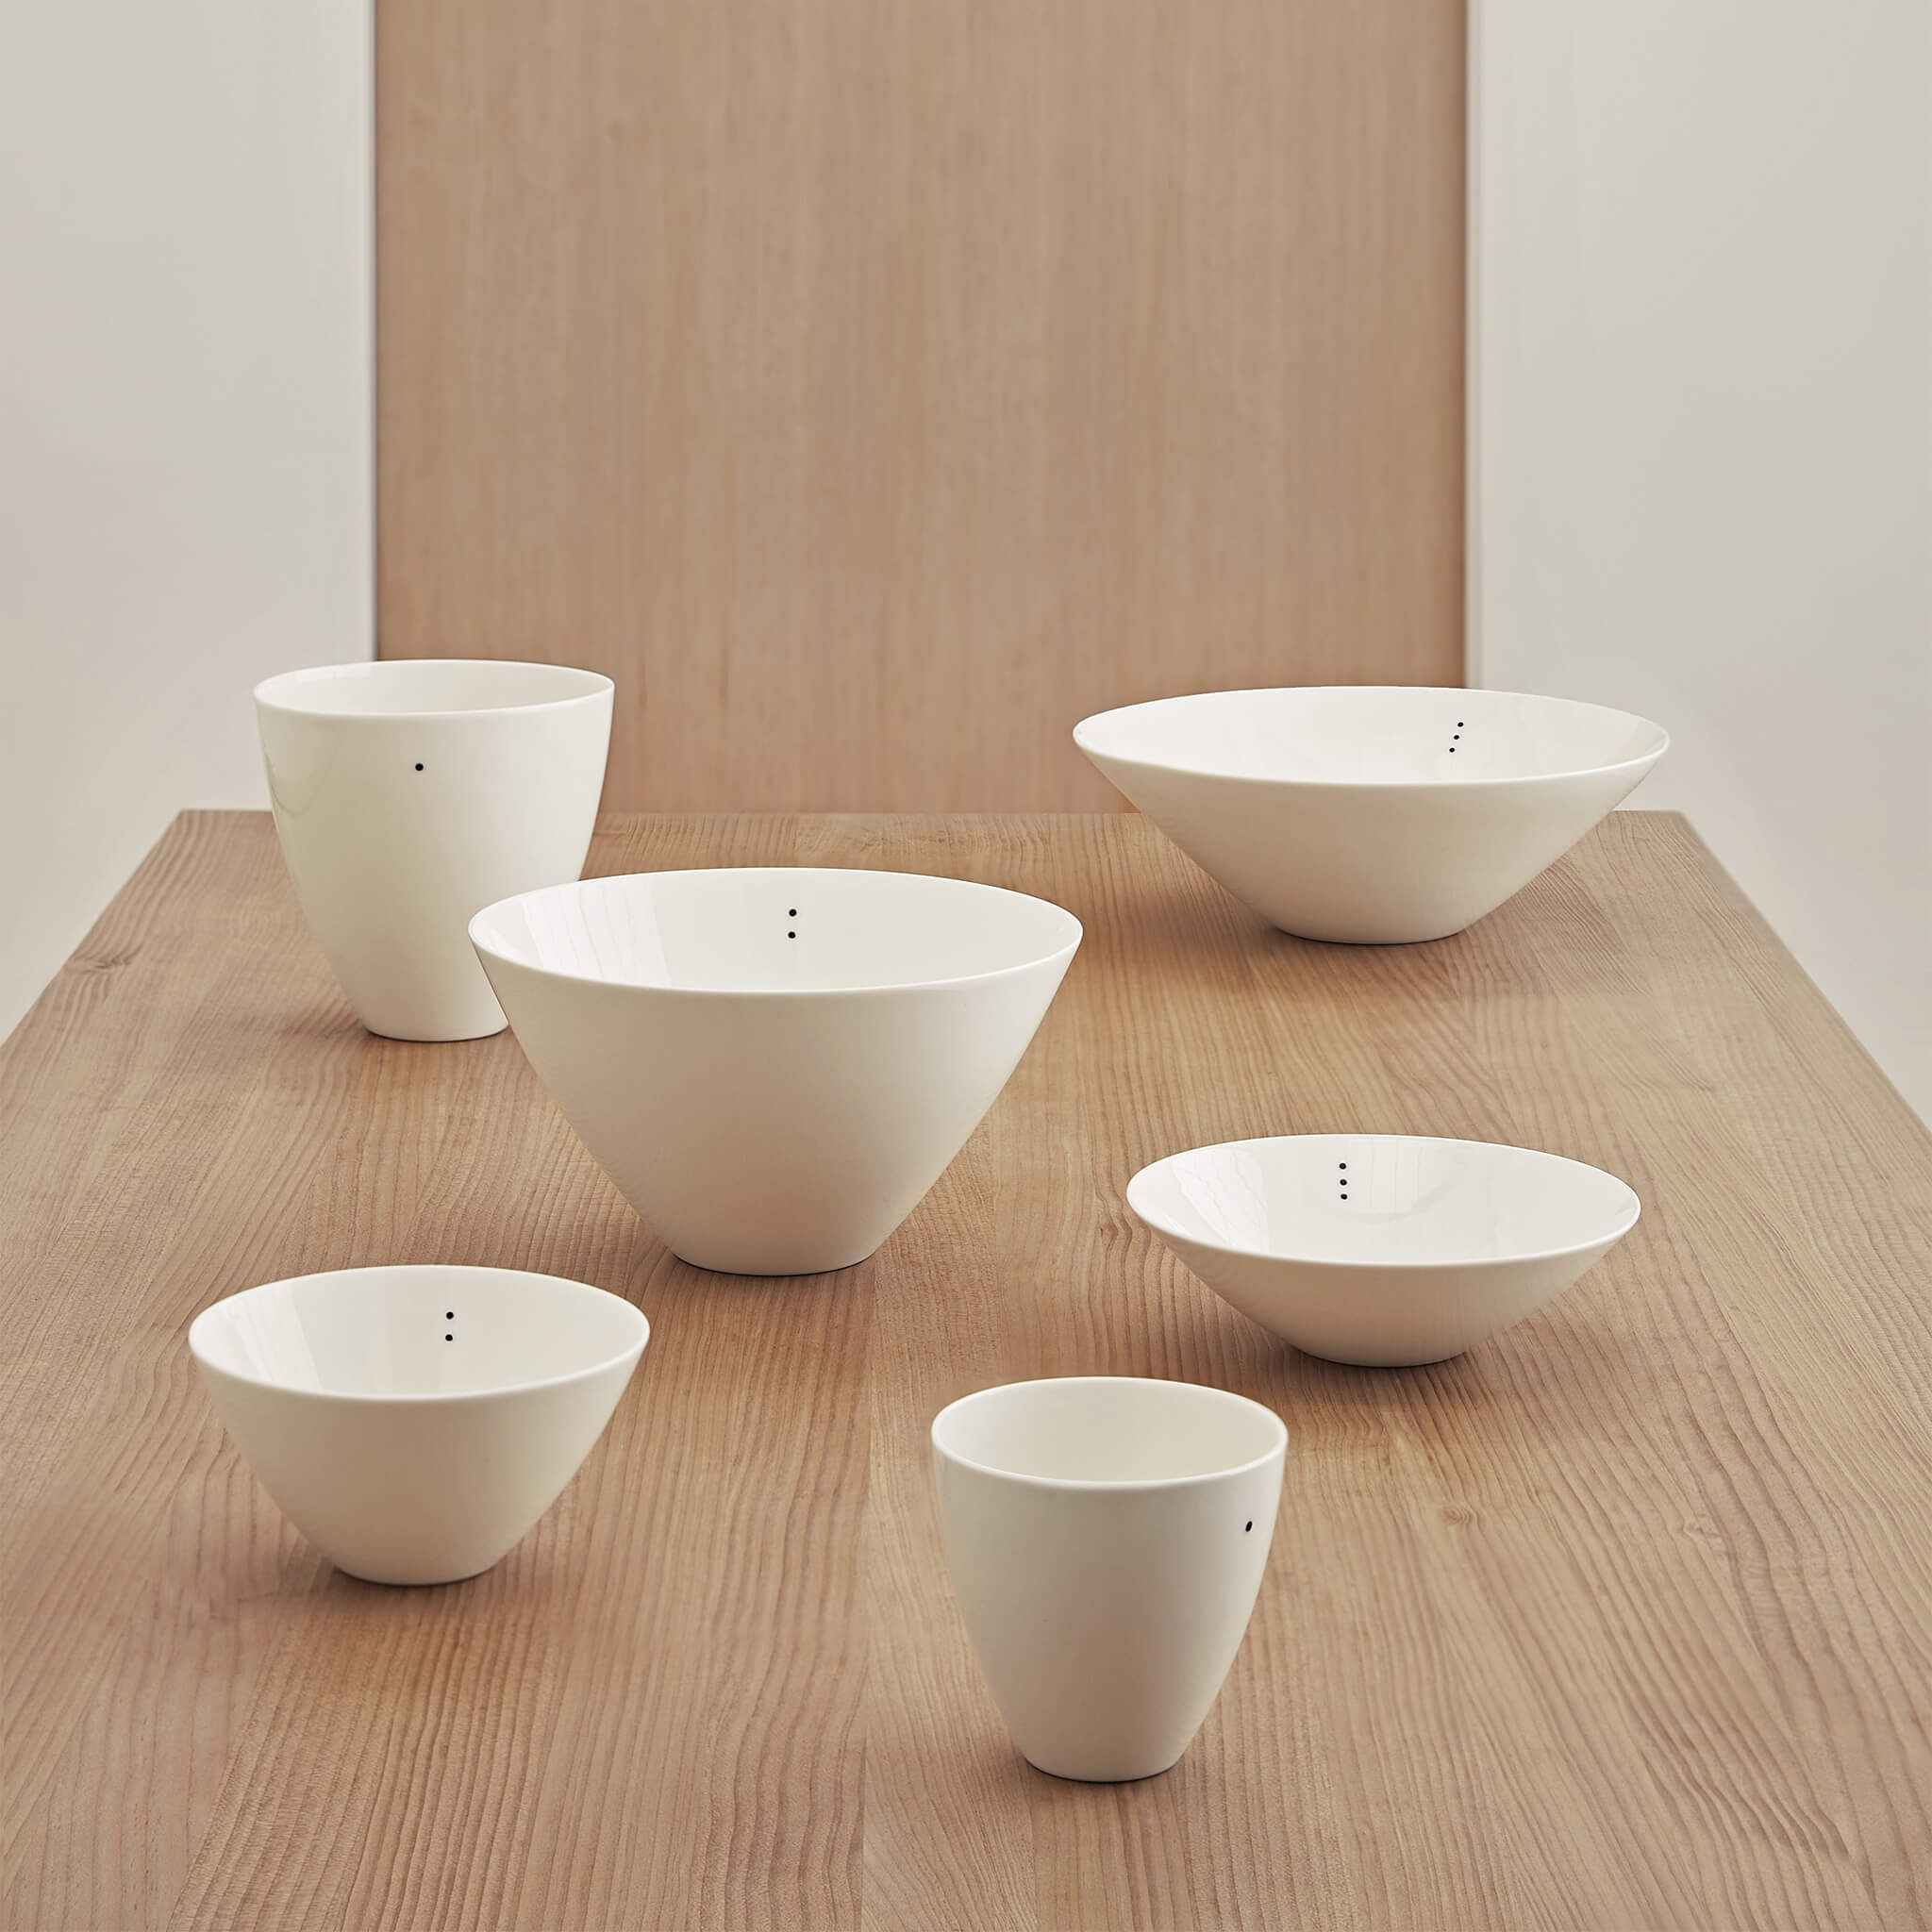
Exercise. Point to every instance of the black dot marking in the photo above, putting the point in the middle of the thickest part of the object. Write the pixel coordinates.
(1247, 1526)
(794, 913)
(419, 768)
(1452, 751)
(449, 1337)
(790, 935)
(449, 1314)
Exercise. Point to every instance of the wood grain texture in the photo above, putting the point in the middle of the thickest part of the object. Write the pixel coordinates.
(874, 390)
(1621, 1619)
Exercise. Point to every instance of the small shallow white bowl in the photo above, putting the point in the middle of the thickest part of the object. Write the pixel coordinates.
(1371, 814)
(775, 1064)
(414, 1423)
(1384, 1250)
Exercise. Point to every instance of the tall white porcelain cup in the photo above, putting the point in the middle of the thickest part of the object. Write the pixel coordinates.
(1106, 1537)
(411, 794)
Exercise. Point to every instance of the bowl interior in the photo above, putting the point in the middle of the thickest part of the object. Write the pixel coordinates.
(1107, 1429)
(1371, 735)
(419, 687)
(416, 1331)
(774, 930)
(1381, 1200)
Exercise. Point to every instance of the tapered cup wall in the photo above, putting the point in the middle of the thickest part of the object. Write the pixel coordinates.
(1107, 1537)
(409, 794)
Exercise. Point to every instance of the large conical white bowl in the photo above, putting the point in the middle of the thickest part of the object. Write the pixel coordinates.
(1384, 1250)
(1371, 814)
(775, 1064)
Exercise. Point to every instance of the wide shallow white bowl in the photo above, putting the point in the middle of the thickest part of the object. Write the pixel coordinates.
(1384, 1250)
(1373, 814)
(414, 1423)
(1106, 1537)
(775, 1064)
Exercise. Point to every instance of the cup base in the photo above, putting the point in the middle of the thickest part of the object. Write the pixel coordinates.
(423, 1039)
(1090, 1775)
(809, 1264)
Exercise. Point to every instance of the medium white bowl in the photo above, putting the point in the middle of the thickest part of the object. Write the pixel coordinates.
(1371, 814)
(414, 1423)
(775, 1064)
(1384, 1250)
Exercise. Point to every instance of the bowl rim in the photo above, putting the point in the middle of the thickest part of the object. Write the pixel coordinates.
(1065, 951)
(629, 1352)
(1101, 1484)
(1641, 759)
(266, 696)
(1168, 1231)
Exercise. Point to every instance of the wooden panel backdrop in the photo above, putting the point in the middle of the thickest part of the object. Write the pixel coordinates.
(875, 387)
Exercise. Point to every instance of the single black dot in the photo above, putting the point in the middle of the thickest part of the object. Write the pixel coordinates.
(1459, 724)
(419, 768)
(1343, 1165)
(449, 1314)
(1452, 751)
(1248, 1526)
(790, 935)
(794, 913)
(449, 1337)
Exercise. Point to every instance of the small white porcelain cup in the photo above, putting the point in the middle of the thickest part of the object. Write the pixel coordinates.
(410, 794)
(1106, 1537)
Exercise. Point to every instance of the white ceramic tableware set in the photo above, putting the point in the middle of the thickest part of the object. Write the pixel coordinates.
(774, 1065)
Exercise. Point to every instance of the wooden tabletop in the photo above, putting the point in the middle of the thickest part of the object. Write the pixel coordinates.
(1623, 1619)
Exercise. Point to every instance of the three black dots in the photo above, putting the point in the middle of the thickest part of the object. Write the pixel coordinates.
(1458, 734)
(1342, 1177)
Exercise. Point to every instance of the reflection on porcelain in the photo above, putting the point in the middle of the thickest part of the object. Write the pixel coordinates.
(413, 1423)
(1106, 1537)
(1379, 1249)
(775, 1064)
(1372, 813)
(409, 793)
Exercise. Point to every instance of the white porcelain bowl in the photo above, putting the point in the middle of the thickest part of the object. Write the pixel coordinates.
(1383, 1249)
(1372, 813)
(414, 1423)
(775, 1064)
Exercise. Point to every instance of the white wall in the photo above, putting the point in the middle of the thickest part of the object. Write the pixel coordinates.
(1701, 423)
(185, 424)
